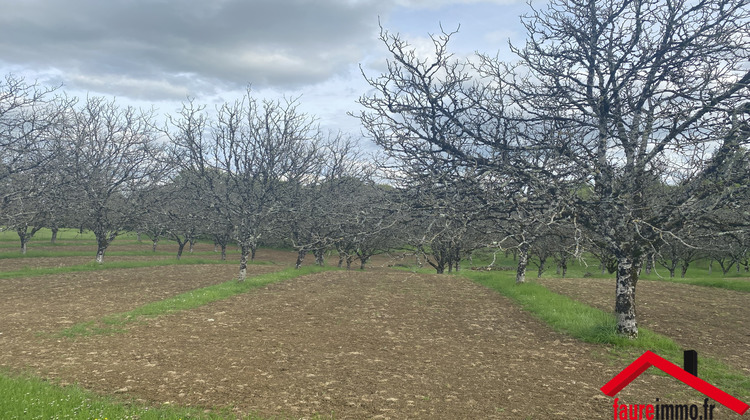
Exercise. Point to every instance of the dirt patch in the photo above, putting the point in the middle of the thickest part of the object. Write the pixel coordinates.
(90, 247)
(373, 344)
(710, 320)
(54, 262)
(50, 303)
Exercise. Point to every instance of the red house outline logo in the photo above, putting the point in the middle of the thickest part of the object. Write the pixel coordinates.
(649, 358)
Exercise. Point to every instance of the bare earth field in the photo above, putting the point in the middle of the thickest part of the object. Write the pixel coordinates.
(372, 344)
(53, 262)
(13, 264)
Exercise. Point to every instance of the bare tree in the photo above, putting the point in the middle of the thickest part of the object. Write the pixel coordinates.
(444, 210)
(440, 124)
(614, 95)
(183, 210)
(29, 115)
(153, 223)
(24, 212)
(321, 208)
(371, 224)
(259, 150)
(638, 90)
(112, 157)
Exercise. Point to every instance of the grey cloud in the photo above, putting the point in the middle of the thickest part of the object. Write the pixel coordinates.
(169, 48)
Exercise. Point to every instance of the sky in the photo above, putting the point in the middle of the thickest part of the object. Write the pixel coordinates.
(160, 52)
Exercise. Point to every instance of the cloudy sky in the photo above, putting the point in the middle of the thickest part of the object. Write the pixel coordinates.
(159, 52)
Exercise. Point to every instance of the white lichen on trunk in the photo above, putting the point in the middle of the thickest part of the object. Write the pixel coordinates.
(627, 278)
(523, 261)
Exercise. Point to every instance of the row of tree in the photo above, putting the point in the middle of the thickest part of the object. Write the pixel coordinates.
(623, 119)
(260, 172)
(621, 130)
(252, 172)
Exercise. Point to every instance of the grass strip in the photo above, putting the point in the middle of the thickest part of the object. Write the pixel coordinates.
(592, 325)
(195, 298)
(93, 266)
(16, 245)
(27, 397)
(736, 284)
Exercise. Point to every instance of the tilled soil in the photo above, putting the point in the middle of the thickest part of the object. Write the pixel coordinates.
(372, 344)
(34, 262)
(50, 303)
(712, 321)
(54, 262)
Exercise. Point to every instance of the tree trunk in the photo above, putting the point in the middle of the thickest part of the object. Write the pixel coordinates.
(439, 256)
(181, 246)
(253, 248)
(25, 236)
(245, 251)
(627, 278)
(192, 242)
(300, 257)
(100, 254)
(319, 257)
(683, 269)
(102, 242)
(523, 261)
(54, 235)
(541, 267)
(223, 252)
(154, 241)
(710, 266)
(362, 262)
(725, 267)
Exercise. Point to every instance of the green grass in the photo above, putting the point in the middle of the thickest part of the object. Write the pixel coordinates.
(195, 298)
(697, 275)
(26, 397)
(567, 315)
(592, 325)
(6, 246)
(737, 284)
(93, 266)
